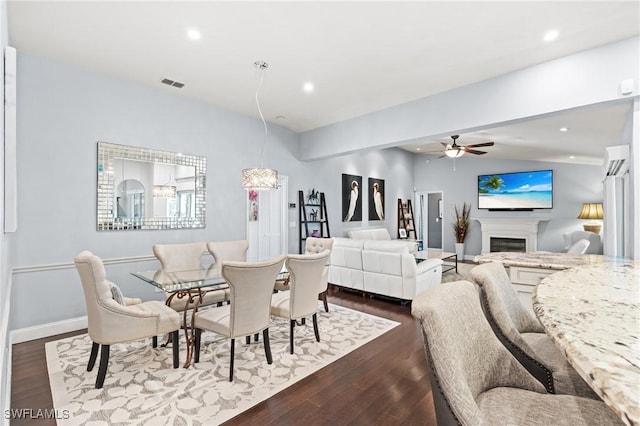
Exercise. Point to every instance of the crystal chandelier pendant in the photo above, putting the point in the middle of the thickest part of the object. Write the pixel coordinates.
(260, 179)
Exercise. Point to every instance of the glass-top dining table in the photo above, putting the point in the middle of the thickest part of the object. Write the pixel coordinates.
(191, 285)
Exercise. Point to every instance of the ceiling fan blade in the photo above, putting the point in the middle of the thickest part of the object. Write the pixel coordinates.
(478, 145)
(442, 156)
(473, 151)
(444, 144)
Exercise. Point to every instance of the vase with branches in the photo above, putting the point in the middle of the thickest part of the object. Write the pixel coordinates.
(461, 227)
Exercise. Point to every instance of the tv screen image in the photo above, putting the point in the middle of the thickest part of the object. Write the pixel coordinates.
(516, 191)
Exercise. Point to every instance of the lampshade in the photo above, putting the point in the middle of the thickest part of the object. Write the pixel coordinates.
(591, 211)
(259, 179)
(453, 152)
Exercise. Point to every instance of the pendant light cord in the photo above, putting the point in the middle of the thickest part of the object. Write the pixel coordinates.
(262, 117)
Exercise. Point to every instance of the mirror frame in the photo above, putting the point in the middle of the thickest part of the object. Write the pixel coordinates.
(109, 152)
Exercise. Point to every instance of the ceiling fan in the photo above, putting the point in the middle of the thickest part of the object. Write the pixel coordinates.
(453, 150)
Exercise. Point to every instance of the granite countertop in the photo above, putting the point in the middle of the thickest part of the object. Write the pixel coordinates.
(592, 313)
(541, 259)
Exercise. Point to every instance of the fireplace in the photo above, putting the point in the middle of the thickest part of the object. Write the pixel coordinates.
(510, 228)
(518, 245)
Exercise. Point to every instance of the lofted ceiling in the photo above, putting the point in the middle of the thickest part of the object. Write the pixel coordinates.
(360, 56)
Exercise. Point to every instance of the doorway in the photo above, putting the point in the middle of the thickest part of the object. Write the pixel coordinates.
(430, 216)
(267, 217)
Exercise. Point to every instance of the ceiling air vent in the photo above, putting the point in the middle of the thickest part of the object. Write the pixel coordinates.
(173, 83)
(616, 160)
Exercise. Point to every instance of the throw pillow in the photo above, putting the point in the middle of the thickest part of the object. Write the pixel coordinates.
(116, 293)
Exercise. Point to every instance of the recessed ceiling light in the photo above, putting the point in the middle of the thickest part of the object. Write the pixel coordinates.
(551, 35)
(308, 87)
(417, 149)
(194, 34)
(564, 129)
(572, 157)
(280, 117)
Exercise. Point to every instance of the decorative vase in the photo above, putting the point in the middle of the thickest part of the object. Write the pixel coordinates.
(460, 251)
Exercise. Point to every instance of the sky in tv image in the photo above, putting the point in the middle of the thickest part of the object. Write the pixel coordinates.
(525, 190)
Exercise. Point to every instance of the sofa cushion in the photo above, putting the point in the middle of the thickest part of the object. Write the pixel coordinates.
(369, 234)
(386, 246)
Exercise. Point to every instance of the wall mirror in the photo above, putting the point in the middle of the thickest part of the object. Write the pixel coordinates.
(141, 188)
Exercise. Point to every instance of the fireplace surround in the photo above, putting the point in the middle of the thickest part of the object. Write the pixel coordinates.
(510, 228)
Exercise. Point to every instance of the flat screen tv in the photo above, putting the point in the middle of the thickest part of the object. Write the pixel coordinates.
(516, 191)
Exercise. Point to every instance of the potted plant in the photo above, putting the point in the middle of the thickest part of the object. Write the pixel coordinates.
(461, 227)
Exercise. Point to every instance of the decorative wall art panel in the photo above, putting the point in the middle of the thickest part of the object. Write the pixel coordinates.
(351, 198)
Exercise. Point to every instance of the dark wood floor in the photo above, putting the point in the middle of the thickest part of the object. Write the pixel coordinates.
(383, 382)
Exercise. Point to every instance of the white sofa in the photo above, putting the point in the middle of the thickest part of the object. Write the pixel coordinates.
(379, 234)
(381, 267)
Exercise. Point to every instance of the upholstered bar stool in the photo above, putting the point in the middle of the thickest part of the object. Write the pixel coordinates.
(521, 332)
(476, 381)
(113, 321)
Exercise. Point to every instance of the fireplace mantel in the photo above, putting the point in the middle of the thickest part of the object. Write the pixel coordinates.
(510, 227)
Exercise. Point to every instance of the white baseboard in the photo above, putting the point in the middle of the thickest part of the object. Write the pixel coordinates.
(45, 330)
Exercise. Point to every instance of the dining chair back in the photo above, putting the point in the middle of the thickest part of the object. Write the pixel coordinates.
(112, 322)
(180, 257)
(235, 251)
(523, 335)
(318, 245)
(476, 380)
(301, 301)
(186, 257)
(251, 286)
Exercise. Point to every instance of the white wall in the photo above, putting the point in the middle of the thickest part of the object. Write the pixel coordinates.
(5, 269)
(63, 112)
(572, 186)
(585, 78)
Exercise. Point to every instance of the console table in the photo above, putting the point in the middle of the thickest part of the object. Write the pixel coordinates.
(592, 313)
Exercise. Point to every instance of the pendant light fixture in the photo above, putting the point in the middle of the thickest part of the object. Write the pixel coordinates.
(260, 179)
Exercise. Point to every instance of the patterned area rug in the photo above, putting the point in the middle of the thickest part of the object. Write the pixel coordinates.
(142, 388)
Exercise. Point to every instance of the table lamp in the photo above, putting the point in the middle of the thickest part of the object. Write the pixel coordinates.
(593, 212)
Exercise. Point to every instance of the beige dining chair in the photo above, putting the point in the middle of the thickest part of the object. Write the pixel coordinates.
(301, 301)
(111, 322)
(186, 257)
(521, 333)
(235, 251)
(251, 286)
(318, 245)
(475, 380)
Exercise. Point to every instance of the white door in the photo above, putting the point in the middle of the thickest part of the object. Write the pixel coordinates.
(267, 219)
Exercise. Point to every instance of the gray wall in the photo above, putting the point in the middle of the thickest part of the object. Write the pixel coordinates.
(572, 186)
(63, 111)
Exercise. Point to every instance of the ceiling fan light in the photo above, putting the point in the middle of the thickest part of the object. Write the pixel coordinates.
(453, 152)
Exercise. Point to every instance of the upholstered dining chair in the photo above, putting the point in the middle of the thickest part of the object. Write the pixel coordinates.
(234, 251)
(251, 286)
(301, 301)
(579, 247)
(521, 332)
(476, 381)
(111, 321)
(186, 257)
(318, 245)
